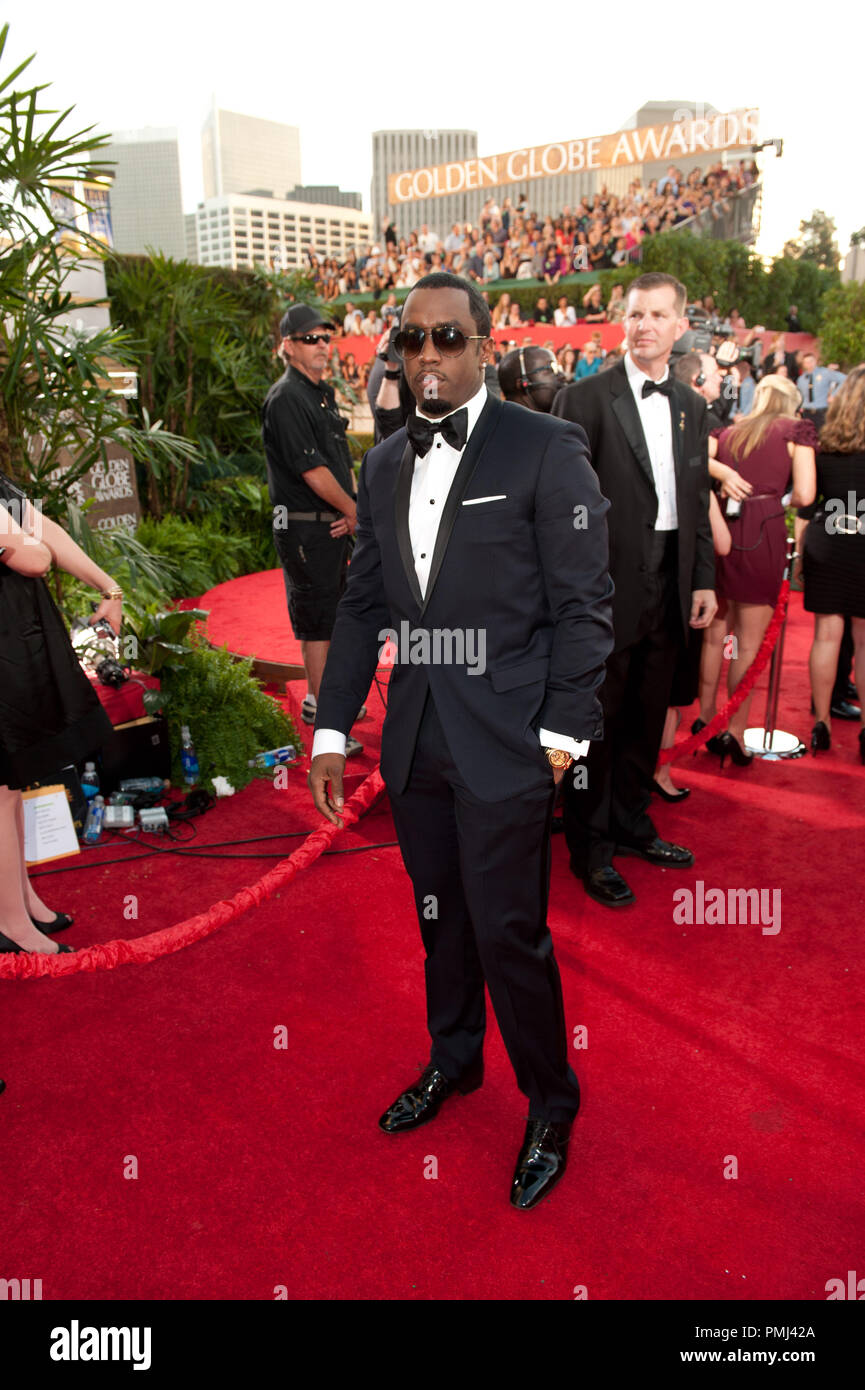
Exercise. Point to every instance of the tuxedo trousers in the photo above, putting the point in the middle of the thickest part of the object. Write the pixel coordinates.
(481, 872)
(611, 809)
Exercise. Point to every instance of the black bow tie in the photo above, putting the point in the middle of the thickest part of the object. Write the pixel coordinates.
(665, 387)
(453, 428)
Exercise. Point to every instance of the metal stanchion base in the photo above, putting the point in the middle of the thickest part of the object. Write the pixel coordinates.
(780, 745)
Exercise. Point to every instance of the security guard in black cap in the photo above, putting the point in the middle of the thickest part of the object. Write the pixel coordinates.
(311, 486)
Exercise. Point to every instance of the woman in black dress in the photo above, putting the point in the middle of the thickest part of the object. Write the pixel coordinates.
(49, 713)
(833, 550)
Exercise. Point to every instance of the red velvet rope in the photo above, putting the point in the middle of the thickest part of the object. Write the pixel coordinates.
(144, 949)
(743, 689)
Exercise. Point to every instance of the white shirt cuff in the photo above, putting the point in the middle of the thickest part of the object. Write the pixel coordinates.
(328, 741)
(576, 748)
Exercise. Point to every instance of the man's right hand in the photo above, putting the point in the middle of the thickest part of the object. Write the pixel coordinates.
(328, 768)
(345, 526)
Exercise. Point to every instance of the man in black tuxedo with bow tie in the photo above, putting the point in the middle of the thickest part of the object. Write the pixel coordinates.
(648, 439)
(481, 528)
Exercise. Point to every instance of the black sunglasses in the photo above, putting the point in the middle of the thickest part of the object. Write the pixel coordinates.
(447, 339)
(312, 338)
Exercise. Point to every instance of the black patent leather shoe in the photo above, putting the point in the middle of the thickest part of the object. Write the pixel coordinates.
(845, 709)
(422, 1102)
(11, 948)
(732, 748)
(713, 745)
(607, 887)
(661, 852)
(821, 739)
(60, 922)
(678, 795)
(542, 1161)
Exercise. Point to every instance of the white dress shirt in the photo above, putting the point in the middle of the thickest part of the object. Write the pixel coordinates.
(432, 481)
(656, 417)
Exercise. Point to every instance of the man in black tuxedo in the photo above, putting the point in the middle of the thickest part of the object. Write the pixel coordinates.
(648, 440)
(481, 557)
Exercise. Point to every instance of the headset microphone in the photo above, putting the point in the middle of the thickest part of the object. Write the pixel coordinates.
(523, 384)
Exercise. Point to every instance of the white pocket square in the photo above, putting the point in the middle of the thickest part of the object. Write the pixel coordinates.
(473, 501)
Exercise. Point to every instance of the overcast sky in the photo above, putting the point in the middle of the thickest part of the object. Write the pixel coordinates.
(340, 71)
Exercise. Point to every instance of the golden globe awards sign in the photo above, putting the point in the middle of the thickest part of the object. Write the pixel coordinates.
(674, 140)
(111, 485)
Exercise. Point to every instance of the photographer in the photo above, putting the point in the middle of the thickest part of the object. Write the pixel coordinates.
(389, 397)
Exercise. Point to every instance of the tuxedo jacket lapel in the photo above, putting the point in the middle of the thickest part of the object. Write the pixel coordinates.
(472, 452)
(402, 499)
(625, 411)
(680, 424)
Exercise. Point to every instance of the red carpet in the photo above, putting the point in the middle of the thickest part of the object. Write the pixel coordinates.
(249, 616)
(260, 1166)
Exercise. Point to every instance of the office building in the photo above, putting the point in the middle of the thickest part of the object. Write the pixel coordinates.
(190, 228)
(324, 193)
(243, 154)
(146, 203)
(396, 150)
(244, 230)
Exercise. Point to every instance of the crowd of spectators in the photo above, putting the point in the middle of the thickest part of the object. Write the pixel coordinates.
(742, 362)
(513, 243)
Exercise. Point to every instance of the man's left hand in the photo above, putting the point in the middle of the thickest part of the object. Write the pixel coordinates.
(704, 606)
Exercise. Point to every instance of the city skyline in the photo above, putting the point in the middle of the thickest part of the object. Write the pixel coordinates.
(200, 66)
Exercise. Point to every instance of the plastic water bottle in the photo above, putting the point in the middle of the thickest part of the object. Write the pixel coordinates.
(90, 781)
(93, 823)
(144, 784)
(188, 758)
(274, 756)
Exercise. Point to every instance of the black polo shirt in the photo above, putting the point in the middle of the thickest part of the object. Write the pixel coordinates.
(302, 429)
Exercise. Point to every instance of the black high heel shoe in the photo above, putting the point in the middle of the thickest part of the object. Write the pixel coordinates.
(821, 739)
(713, 745)
(670, 796)
(730, 748)
(862, 745)
(60, 922)
(11, 948)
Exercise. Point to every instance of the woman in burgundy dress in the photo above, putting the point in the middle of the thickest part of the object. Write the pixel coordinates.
(773, 451)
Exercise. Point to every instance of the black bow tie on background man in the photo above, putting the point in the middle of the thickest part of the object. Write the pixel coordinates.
(454, 430)
(665, 387)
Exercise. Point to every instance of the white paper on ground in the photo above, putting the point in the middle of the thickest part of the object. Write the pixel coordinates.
(48, 829)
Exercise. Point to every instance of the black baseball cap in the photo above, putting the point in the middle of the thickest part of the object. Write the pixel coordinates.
(301, 318)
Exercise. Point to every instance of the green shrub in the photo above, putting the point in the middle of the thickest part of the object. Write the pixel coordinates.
(843, 331)
(204, 551)
(229, 716)
(359, 444)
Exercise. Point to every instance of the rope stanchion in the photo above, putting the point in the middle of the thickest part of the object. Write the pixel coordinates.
(743, 689)
(144, 949)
